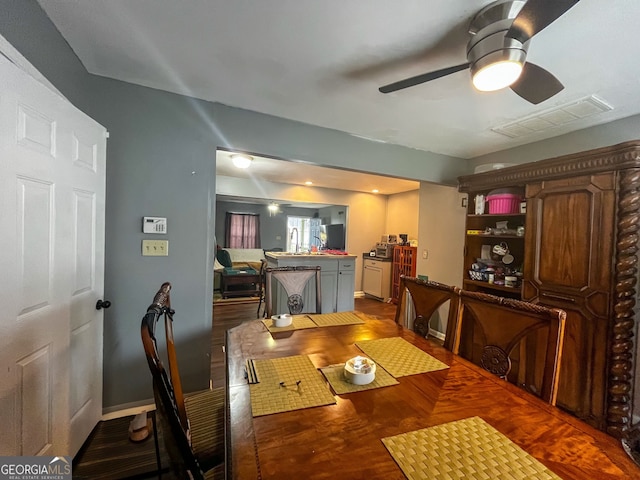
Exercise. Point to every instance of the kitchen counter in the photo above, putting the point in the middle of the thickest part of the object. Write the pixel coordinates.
(337, 273)
(366, 256)
(304, 255)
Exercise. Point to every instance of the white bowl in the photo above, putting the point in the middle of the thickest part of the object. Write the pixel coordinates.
(360, 370)
(283, 320)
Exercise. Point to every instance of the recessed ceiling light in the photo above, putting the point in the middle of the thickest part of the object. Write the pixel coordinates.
(375, 190)
(241, 160)
(308, 182)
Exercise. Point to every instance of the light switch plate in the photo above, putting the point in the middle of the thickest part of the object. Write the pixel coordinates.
(155, 248)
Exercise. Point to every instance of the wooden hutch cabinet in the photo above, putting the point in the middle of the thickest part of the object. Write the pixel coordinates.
(580, 253)
(405, 259)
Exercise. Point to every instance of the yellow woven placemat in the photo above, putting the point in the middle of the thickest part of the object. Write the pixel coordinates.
(469, 448)
(335, 376)
(333, 319)
(288, 383)
(298, 322)
(399, 357)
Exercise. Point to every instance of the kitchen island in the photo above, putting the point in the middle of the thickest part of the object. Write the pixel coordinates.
(337, 274)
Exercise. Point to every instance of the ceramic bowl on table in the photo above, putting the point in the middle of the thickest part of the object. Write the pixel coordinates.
(283, 320)
(360, 370)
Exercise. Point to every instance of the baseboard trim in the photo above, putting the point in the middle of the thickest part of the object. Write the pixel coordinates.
(437, 334)
(127, 409)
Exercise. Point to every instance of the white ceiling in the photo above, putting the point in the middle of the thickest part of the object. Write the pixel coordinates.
(321, 62)
(278, 171)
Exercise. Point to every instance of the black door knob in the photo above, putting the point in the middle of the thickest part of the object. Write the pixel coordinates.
(100, 304)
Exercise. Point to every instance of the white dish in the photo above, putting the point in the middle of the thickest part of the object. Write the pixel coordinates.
(283, 320)
(360, 370)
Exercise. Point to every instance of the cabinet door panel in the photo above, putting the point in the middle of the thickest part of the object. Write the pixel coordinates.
(564, 265)
(569, 247)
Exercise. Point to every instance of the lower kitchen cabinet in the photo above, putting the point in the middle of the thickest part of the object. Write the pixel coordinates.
(346, 285)
(337, 279)
(376, 277)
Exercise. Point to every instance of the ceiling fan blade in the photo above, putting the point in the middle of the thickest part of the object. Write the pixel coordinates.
(535, 16)
(425, 77)
(536, 84)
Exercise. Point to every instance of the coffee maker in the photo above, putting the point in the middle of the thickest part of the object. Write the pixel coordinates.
(403, 238)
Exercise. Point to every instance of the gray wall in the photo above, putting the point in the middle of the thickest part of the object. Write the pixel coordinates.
(270, 226)
(161, 162)
(157, 140)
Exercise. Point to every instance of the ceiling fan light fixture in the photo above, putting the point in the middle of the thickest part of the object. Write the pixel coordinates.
(241, 160)
(497, 75)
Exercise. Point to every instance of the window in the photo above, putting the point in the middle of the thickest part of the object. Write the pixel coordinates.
(303, 232)
(242, 230)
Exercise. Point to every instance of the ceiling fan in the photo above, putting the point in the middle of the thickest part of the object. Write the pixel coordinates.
(497, 50)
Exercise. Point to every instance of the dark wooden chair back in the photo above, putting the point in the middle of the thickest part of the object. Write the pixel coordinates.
(293, 281)
(427, 297)
(518, 341)
(263, 268)
(168, 413)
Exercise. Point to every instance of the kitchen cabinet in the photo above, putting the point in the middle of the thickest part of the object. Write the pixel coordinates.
(376, 277)
(337, 280)
(580, 253)
(404, 263)
(346, 285)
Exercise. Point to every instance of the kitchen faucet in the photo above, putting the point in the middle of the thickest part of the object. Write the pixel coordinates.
(295, 230)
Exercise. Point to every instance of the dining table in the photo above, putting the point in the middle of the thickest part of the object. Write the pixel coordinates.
(454, 421)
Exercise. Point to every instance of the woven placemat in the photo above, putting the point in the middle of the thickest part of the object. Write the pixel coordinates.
(298, 322)
(335, 376)
(399, 357)
(469, 448)
(288, 383)
(333, 319)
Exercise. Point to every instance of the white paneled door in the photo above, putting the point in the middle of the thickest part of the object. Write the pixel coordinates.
(52, 190)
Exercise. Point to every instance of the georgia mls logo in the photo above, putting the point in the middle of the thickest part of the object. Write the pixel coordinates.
(35, 468)
(59, 465)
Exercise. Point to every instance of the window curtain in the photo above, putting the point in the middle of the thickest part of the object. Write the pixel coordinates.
(242, 230)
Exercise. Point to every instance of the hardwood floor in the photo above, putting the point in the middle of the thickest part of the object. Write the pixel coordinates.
(108, 453)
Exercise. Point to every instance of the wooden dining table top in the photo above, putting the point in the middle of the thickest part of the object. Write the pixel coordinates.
(343, 441)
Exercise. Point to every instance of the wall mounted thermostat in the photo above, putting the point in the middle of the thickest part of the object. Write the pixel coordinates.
(154, 225)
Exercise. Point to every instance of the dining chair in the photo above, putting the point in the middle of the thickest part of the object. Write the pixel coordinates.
(263, 267)
(293, 281)
(426, 297)
(519, 341)
(192, 426)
